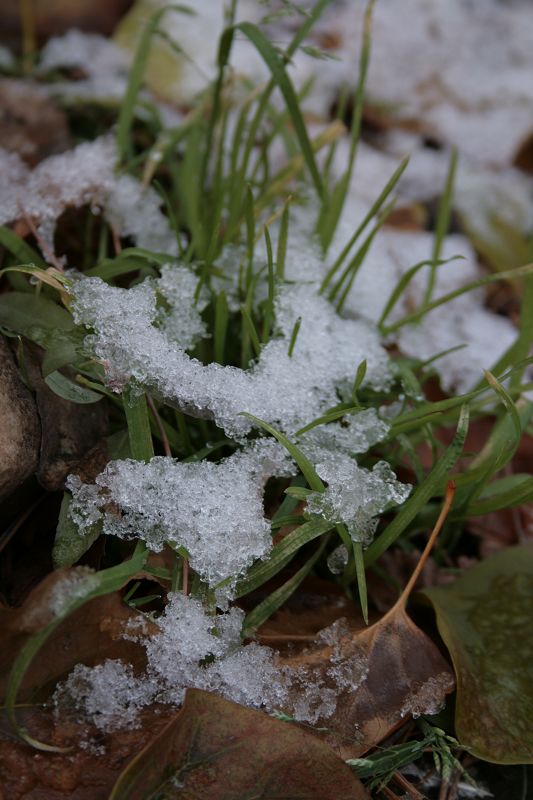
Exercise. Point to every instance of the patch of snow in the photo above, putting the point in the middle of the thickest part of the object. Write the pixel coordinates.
(213, 510)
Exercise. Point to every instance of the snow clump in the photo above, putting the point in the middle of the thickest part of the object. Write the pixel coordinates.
(214, 511)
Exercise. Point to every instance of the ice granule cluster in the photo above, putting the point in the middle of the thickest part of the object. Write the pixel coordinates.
(134, 211)
(104, 65)
(181, 319)
(354, 495)
(194, 649)
(284, 390)
(214, 511)
(109, 694)
(190, 649)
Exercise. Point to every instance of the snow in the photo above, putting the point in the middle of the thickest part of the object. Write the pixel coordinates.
(354, 496)
(214, 511)
(74, 585)
(104, 66)
(279, 389)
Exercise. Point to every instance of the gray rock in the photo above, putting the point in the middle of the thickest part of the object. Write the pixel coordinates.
(20, 429)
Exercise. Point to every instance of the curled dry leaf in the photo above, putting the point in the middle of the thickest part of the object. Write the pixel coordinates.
(219, 750)
(485, 621)
(390, 670)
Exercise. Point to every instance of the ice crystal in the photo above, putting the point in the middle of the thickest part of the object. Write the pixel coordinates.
(215, 511)
(354, 495)
(191, 649)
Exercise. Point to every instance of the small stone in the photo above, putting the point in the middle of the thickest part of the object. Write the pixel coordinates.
(20, 431)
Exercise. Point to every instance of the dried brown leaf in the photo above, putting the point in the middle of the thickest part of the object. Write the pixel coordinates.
(218, 750)
(391, 671)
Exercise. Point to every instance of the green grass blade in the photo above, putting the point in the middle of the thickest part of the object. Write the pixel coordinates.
(18, 248)
(138, 420)
(221, 326)
(507, 275)
(404, 281)
(375, 208)
(442, 224)
(431, 486)
(279, 75)
(307, 469)
(281, 554)
(332, 210)
(136, 75)
(277, 598)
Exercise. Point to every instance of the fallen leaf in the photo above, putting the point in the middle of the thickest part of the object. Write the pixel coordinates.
(485, 621)
(218, 750)
(69, 430)
(82, 773)
(89, 635)
(388, 672)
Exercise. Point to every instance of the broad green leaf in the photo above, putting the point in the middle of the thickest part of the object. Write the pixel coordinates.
(484, 619)
(70, 543)
(69, 390)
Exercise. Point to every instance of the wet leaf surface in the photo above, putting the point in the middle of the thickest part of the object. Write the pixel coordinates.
(86, 772)
(485, 621)
(218, 750)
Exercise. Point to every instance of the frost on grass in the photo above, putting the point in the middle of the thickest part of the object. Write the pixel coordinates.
(214, 511)
(354, 496)
(286, 390)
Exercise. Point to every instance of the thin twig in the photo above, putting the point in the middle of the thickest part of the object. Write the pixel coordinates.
(161, 429)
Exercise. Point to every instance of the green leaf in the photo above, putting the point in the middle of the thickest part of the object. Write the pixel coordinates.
(69, 390)
(71, 543)
(484, 619)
